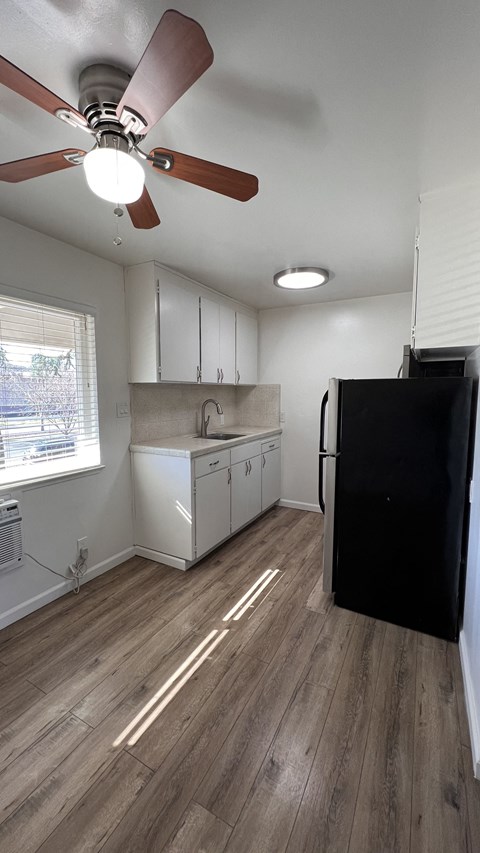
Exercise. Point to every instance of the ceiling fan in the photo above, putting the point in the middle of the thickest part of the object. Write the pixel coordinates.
(118, 110)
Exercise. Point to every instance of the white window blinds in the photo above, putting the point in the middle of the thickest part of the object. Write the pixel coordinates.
(48, 391)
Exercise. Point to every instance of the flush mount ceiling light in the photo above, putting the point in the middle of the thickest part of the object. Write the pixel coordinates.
(301, 278)
(111, 171)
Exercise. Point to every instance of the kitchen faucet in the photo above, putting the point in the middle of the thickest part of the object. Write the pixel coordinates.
(206, 421)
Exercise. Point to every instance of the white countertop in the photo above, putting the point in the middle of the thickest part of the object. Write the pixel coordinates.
(191, 445)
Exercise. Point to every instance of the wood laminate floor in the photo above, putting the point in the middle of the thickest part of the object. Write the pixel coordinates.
(138, 717)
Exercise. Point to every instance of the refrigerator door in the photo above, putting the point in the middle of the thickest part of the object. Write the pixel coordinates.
(328, 433)
(332, 417)
(326, 475)
(322, 452)
(400, 500)
(328, 536)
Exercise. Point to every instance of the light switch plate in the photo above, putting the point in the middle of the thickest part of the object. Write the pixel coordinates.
(123, 410)
(282, 417)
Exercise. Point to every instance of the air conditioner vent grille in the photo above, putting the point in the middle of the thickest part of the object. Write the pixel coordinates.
(11, 540)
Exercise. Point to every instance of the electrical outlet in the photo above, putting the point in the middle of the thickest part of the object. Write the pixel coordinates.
(82, 545)
(282, 417)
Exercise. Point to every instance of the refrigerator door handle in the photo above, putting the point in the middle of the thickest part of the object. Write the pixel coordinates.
(323, 408)
(328, 539)
(321, 500)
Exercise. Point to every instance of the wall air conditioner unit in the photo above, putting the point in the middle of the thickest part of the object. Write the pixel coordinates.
(11, 541)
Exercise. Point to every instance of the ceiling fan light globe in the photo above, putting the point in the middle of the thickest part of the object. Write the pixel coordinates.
(114, 175)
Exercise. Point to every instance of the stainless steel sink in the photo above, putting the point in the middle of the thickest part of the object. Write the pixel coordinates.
(224, 436)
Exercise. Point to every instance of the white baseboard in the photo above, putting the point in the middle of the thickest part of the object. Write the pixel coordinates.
(26, 607)
(299, 505)
(473, 712)
(159, 557)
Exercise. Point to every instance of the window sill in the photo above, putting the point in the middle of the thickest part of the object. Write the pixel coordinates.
(49, 479)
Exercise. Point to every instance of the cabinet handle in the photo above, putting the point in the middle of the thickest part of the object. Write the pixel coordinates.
(238, 377)
(221, 371)
(246, 468)
(218, 374)
(229, 475)
(271, 446)
(249, 467)
(263, 466)
(211, 464)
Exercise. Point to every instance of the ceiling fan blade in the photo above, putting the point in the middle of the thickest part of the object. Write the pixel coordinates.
(142, 212)
(43, 164)
(20, 82)
(220, 179)
(178, 53)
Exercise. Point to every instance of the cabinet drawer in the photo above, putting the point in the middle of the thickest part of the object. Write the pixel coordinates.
(246, 451)
(270, 445)
(212, 462)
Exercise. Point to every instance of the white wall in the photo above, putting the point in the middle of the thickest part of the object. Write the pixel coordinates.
(302, 347)
(470, 635)
(97, 505)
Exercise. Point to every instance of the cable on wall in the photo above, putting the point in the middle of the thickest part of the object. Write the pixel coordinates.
(78, 570)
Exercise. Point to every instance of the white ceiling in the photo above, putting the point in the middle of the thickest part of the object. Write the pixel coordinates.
(344, 110)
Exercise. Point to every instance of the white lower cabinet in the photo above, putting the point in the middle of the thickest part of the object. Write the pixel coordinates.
(271, 473)
(163, 507)
(212, 510)
(246, 495)
(185, 507)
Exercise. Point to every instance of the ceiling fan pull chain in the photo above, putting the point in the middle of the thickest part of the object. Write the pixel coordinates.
(118, 212)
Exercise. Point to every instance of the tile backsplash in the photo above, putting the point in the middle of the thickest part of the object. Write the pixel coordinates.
(258, 405)
(162, 410)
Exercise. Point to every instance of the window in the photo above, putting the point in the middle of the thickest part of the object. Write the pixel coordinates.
(48, 391)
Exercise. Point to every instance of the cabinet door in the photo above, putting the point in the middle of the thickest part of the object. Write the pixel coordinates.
(246, 495)
(212, 510)
(270, 478)
(227, 345)
(448, 271)
(210, 339)
(142, 320)
(162, 496)
(179, 333)
(246, 349)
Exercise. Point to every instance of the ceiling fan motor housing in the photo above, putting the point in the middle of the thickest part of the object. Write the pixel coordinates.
(114, 140)
(101, 89)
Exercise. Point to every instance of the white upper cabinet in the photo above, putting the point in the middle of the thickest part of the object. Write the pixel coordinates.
(163, 325)
(210, 340)
(227, 345)
(180, 332)
(246, 349)
(217, 325)
(143, 324)
(446, 311)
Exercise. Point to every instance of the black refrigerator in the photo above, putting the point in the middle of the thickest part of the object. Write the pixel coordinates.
(394, 488)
